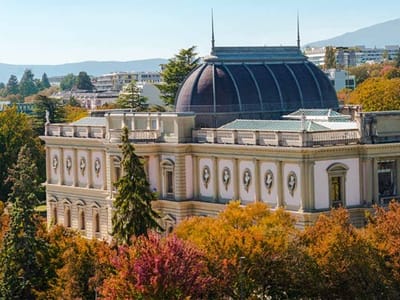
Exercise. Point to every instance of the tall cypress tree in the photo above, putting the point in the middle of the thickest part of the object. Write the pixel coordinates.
(19, 267)
(133, 214)
(27, 85)
(45, 83)
(12, 85)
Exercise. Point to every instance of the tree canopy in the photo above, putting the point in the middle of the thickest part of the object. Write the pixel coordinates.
(83, 82)
(45, 83)
(133, 214)
(21, 271)
(377, 94)
(16, 131)
(130, 97)
(330, 58)
(175, 71)
(68, 82)
(12, 85)
(53, 106)
(27, 85)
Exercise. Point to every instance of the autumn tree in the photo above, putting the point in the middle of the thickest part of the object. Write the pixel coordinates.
(384, 232)
(133, 214)
(21, 272)
(377, 94)
(348, 263)
(175, 71)
(252, 252)
(330, 58)
(16, 131)
(159, 268)
(131, 97)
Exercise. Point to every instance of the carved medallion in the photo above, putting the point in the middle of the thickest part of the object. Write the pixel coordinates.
(292, 182)
(54, 163)
(68, 164)
(226, 177)
(246, 179)
(206, 176)
(97, 166)
(268, 180)
(82, 165)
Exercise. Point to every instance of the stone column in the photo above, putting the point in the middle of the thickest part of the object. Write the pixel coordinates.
(180, 177)
(375, 185)
(236, 182)
(195, 162)
(61, 167)
(104, 165)
(89, 169)
(256, 179)
(214, 178)
(49, 165)
(279, 181)
(311, 187)
(75, 165)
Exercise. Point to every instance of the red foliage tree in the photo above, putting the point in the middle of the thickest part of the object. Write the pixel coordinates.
(156, 268)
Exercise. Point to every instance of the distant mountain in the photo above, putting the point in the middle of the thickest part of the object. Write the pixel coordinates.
(94, 68)
(378, 35)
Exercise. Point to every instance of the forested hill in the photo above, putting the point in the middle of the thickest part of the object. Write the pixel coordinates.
(94, 68)
(378, 35)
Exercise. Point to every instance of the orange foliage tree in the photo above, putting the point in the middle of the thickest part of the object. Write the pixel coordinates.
(348, 263)
(252, 251)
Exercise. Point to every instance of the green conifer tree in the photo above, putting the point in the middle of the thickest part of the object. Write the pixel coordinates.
(84, 82)
(133, 214)
(45, 83)
(175, 71)
(12, 85)
(19, 267)
(27, 85)
(131, 98)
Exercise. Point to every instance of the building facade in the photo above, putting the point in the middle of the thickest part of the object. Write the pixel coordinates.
(314, 160)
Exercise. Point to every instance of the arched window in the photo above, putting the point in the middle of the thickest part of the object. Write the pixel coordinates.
(82, 220)
(55, 220)
(67, 216)
(96, 222)
(337, 184)
(168, 178)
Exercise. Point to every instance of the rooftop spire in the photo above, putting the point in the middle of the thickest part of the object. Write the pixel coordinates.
(298, 31)
(212, 31)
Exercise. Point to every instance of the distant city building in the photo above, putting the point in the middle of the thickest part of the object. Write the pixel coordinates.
(353, 56)
(116, 81)
(341, 79)
(26, 108)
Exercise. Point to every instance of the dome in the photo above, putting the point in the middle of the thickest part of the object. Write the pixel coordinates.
(253, 83)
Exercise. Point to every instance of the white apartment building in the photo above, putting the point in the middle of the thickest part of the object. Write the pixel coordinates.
(115, 81)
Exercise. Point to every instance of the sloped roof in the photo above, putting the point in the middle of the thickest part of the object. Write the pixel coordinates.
(274, 125)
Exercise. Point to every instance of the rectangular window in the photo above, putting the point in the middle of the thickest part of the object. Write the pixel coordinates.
(387, 178)
(170, 182)
(336, 191)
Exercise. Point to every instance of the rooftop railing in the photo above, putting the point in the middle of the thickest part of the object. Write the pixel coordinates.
(277, 138)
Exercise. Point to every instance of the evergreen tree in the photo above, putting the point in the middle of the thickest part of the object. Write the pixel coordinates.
(175, 71)
(133, 213)
(2, 85)
(43, 104)
(12, 85)
(20, 270)
(330, 58)
(84, 82)
(68, 82)
(45, 83)
(27, 85)
(131, 98)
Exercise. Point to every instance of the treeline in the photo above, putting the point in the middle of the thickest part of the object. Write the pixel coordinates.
(244, 253)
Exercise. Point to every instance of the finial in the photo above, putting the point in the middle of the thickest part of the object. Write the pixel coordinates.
(298, 31)
(212, 31)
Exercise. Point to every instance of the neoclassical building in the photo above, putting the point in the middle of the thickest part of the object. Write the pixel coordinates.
(251, 124)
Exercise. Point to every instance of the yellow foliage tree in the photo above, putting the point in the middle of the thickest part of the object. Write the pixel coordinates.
(377, 94)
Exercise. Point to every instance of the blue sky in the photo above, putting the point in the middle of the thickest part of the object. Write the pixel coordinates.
(53, 32)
